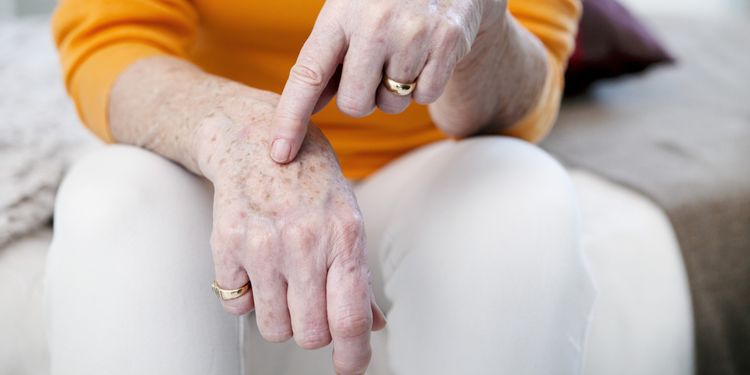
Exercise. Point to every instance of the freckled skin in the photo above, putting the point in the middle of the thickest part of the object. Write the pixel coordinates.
(280, 225)
(277, 222)
(224, 136)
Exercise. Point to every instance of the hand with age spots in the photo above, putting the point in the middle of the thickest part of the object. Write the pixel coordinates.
(409, 41)
(292, 226)
(295, 230)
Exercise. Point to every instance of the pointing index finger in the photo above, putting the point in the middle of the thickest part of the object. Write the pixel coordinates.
(316, 64)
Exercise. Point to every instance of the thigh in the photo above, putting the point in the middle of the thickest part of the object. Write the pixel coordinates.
(642, 321)
(129, 270)
(475, 253)
(475, 258)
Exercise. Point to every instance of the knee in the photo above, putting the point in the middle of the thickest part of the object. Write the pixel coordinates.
(117, 184)
(123, 211)
(508, 206)
(503, 181)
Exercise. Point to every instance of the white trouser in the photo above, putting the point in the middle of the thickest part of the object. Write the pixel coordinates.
(474, 248)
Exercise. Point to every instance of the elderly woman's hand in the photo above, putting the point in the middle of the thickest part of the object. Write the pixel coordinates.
(295, 230)
(407, 40)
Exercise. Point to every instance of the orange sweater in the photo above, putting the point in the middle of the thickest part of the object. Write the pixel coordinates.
(256, 42)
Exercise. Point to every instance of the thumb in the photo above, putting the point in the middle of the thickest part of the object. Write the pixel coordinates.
(308, 78)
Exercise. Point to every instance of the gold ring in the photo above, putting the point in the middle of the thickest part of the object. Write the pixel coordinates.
(398, 88)
(230, 294)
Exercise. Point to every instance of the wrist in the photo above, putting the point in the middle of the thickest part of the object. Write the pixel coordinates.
(491, 39)
(238, 119)
(496, 84)
(160, 104)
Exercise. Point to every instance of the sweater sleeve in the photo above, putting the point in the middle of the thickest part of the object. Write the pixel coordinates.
(98, 39)
(554, 23)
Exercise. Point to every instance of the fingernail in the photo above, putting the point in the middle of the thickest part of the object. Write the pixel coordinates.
(280, 150)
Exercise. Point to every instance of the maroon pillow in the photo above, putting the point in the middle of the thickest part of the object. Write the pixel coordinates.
(610, 43)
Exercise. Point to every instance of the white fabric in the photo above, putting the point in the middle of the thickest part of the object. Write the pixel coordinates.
(642, 320)
(641, 324)
(128, 268)
(23, 338)
(475, 252)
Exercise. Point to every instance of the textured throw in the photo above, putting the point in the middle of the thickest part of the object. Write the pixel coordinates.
(29, 177)
(38, 128)
(682, 137)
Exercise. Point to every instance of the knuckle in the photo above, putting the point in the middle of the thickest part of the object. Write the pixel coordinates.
(306, 73)
(354, 107)
(449, 38)
(452, 31)
(300, 233)
(393, 107)
(351, 227)
(380, 17)
(351, 325)
(305, 273)
(261, 239)
(227, 237)
(353, 222)
(415, 31)
(372, 38)
(455, 40)
(313, 339)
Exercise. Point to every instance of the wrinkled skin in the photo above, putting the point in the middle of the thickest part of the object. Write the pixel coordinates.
(296, 232)
(407, 40)
(294, 229)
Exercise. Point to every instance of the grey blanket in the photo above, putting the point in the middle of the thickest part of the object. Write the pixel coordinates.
(39, 132)
(682, 137)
